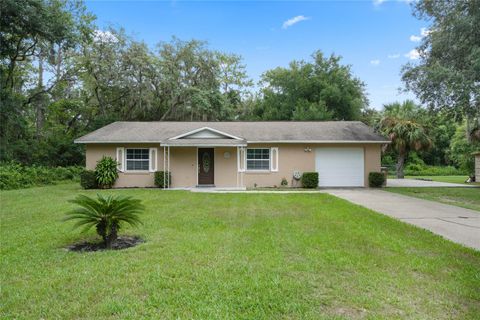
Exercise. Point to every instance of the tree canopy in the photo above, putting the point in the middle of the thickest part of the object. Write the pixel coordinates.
(61, 76)
(402, 124)
(448, 73)
(321, 89)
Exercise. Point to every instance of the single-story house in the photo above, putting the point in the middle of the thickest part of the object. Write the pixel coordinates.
(237, 154)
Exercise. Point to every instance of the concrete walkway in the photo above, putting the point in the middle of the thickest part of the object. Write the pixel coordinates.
(423, 183)
(454, 223)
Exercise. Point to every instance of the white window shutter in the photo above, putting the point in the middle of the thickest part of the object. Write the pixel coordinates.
(153, 160)
(274, 159)
(120, 159)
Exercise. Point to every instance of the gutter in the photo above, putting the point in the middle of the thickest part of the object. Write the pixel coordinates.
(251, 142)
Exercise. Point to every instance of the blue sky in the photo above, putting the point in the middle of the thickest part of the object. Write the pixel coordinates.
(375, 37)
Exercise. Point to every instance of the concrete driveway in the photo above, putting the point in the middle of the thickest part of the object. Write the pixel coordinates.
(423, 183)
(454, 223)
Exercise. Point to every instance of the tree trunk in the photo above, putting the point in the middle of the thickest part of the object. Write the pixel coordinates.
(39, 103)
(111, 237)
(468, 129)
(400, 165)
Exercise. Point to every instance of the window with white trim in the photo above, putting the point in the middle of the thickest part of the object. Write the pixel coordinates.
(258, 159)
(137, 159)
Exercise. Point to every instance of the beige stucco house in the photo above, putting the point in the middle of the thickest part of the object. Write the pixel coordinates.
(237, 154)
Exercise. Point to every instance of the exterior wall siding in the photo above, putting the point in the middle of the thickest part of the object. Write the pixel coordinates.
(226, 167)
(293, 157)
(183, 164)
(373, 159)
(94, 152)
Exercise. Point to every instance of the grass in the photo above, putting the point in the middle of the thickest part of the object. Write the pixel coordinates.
(450, 179)
(463, 197)
(231, 256)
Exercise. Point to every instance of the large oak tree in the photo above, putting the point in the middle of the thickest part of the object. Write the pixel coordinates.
(321, 89)
(447, 75)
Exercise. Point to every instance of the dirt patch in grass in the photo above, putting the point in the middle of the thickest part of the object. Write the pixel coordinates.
(123, 242)
(350, 312)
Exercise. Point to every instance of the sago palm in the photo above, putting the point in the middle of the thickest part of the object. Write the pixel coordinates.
(107, 214)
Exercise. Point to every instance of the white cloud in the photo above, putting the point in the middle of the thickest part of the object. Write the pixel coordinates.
(104, 36)
(413, 54)
(375, 62)
(394, 56)
(379, 2)
(415, 38)
(424, 32)
(294, 20)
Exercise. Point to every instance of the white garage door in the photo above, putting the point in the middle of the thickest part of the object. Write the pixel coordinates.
(339, 167)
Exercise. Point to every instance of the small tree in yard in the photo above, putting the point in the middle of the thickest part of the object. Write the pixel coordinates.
(406, 135)
(106, 214)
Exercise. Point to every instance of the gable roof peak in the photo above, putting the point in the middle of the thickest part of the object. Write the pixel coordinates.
(208, 133)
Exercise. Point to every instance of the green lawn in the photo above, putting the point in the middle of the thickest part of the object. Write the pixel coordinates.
(231, 256)
(450, 179)
(462, 197)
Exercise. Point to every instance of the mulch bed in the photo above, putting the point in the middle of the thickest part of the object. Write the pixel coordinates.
(123, 242)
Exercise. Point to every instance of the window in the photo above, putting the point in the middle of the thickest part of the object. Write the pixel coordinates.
(137, 159)
(258, 159)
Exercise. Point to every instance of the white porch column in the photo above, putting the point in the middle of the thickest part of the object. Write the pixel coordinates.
(242, 174)
(238, 168)
(240, 165)
(168, 169)
(164, 164)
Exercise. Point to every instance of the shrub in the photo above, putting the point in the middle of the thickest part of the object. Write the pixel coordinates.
(16, 176)
(284, 182)
(376, 179)
(159, 179)
(310, 179)
(107, 214)
(11, 177)
(106, 172)
(415, 170)
(460, 152)
(88, 179)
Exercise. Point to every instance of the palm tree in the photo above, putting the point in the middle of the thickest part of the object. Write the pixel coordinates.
(106, 214)
(400, 124)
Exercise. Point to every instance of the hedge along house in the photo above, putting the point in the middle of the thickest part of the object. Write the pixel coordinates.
(237, 154)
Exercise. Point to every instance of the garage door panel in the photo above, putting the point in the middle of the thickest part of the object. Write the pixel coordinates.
(340, 167)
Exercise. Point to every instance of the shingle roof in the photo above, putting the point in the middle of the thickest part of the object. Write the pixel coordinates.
(260, 131)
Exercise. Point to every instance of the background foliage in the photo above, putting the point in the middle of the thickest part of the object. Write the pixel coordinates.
(17, 176)
(61, 77)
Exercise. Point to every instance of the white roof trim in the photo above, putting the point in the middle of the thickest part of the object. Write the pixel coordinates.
(167, 144)
(318, 141)
(269, 141)
(122, 141)
(205, 128)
